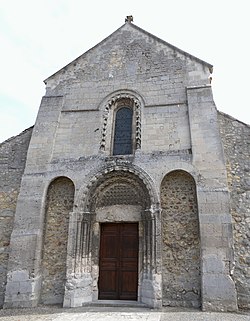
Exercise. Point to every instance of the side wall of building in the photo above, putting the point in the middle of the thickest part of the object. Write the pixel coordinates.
(236, 142)
(12, 163)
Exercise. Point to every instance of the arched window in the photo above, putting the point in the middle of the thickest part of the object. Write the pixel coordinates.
(121, 119)
(122, 143)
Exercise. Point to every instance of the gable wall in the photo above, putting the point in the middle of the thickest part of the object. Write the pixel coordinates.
(132, 61)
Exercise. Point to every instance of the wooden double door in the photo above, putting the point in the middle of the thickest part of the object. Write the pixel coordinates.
(118, 266)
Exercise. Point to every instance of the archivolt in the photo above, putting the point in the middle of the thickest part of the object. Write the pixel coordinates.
(125, 174)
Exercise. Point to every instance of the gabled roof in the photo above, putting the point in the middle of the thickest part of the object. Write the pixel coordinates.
(147, 34)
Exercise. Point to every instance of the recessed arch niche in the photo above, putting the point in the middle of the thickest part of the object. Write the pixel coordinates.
(59, 203)
(180, 241)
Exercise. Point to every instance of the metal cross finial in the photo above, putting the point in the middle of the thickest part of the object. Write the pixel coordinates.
(129, 19)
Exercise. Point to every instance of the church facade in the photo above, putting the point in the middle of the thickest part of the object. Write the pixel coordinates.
(130, 186)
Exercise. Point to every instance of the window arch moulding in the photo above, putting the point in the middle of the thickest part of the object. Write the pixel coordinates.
(111, 106)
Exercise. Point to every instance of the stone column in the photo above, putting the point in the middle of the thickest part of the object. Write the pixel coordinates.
(78, 288)
(218, 288)
(151, 285)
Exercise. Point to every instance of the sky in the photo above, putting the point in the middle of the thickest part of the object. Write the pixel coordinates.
(39, 37)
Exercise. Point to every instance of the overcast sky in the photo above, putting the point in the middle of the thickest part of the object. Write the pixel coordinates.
(39, 37)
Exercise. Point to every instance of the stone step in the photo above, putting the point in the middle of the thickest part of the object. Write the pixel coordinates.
(116, 303)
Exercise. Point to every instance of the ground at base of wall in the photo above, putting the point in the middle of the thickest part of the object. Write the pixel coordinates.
(55, 313)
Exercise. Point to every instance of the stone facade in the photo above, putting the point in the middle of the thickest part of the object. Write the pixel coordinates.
(173, 183)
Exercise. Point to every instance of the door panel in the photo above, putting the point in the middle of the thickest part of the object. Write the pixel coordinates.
(118, 276)
(109, 253)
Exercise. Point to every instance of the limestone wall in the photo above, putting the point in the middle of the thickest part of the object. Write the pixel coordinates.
(12, 161)
(236, 142)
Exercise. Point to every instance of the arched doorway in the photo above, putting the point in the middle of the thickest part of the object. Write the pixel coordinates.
(120, 202)
(181, 241)
(117, 242)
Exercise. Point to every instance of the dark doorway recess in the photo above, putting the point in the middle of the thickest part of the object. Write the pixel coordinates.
(118, 275)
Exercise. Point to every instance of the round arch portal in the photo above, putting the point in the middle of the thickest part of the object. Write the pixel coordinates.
(118, 196)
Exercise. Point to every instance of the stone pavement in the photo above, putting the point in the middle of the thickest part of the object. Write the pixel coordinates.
(117, 314)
